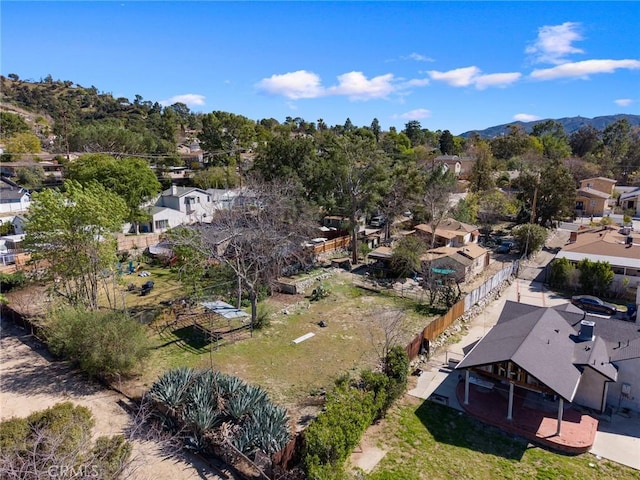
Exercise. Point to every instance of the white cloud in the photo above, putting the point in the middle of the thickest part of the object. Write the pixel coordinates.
(460, 77)
(554, 43)
(294, 85)
(189, 99)
(496, 80)
(355, 85)
(584, 68)
(418, 57)
(417, 114)
(417, 82)
(358, 87)
(623, 102)
(468, 76)
(525, 117)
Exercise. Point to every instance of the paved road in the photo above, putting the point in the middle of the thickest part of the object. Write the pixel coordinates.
(617, 439)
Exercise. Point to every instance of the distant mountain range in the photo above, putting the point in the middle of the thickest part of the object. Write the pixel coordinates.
(570, 124)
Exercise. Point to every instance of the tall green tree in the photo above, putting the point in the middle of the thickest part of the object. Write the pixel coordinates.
(224, 135)
(544, 200)
(481, 178)
(585, 140)
(70, 235)
(130, 178)
(360, 179)
(447, 145)
(554, 140)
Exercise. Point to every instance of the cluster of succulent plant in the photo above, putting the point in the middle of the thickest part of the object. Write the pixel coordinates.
(205, 400)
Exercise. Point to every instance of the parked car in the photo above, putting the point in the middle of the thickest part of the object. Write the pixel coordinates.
(505, 247)
(593, 304)
(378, 221)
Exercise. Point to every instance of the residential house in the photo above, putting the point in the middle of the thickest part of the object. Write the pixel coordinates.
(621, 250)
(179, 206)
(559, 354)
(594, 197)
(630, 200)
(460, 166)
(13, 198)
(449, 233)
(466, 261)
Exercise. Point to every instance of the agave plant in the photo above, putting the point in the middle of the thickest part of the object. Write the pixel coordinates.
(228, 385)
(266, 428)
(202, 414)
(244, 401)
(172, 387)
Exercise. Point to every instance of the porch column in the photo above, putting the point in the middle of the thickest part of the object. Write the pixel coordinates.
(560, 410)
(466, 387)
(510, 412)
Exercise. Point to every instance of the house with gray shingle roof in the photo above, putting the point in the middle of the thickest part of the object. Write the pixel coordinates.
(559, 352)
(13, 198)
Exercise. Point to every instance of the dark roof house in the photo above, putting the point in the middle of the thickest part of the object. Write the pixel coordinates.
(557, 352)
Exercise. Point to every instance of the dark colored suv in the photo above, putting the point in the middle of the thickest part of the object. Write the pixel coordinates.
(589, 303)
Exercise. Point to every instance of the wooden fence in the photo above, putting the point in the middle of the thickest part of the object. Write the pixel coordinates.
(439, 325)
(331, 245)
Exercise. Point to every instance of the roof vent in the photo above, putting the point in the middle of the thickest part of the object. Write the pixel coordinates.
(586, 330)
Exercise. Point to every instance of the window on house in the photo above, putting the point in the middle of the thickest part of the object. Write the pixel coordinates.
(160, 224)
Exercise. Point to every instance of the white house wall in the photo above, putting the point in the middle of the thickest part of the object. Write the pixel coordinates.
(628, 372)
(16, 207)
(590, 390)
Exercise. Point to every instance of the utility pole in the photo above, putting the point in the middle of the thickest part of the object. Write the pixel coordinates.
(535, 199)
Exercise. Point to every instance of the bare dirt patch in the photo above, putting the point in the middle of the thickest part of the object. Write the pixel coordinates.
(31, 380)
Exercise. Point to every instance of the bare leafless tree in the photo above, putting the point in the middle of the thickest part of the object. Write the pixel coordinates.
(391, 329)
(261, 236)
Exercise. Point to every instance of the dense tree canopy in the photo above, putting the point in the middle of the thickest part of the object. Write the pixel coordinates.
(70, 235)
(130, 178)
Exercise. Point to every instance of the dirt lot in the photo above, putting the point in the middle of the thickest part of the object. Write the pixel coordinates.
(30, 381)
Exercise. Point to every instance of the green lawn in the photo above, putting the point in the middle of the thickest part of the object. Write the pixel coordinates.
(292, 372)
(430, 441)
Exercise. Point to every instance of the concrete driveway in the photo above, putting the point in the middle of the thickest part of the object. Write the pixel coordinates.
(617, 440)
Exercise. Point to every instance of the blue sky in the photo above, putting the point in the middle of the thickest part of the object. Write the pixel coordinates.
(450, 65)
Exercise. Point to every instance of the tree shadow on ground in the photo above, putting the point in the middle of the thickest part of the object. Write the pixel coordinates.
(450, 426)
(25, 374)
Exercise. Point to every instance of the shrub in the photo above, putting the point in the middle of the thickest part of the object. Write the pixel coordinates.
(530, 237)
(102, 343)
(334, 434)
(595, 277)
(9, 281)
(59, 439)
(263, 317)
(560, 273)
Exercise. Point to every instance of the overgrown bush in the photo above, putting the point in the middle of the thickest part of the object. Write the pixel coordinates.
(349, 410)
(595, 277)
(530, 237)
(57, 442)
(334, 434)
(102, 343)
(560, 273)
(9, 281)
(263, 317)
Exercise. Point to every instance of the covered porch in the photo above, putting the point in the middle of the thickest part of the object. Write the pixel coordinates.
(541, 419)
